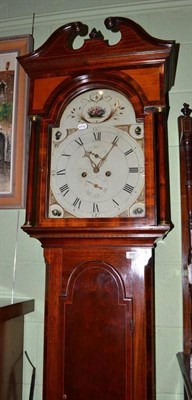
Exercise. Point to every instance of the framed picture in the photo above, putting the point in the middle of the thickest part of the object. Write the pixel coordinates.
(14, 129)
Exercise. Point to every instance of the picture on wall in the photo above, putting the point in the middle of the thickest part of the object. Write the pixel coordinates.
(14, 132)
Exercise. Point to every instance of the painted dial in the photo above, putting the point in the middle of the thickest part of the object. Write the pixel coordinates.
(97, 169)
(97, 175)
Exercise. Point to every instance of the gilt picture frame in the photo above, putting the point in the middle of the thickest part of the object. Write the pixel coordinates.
(14, 128)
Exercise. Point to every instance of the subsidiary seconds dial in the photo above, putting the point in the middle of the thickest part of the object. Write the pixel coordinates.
(97, 172)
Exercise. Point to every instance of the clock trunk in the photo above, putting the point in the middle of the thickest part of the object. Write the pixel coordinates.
(99, 318)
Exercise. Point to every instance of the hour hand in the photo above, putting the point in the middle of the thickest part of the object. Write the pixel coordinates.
(87, 154)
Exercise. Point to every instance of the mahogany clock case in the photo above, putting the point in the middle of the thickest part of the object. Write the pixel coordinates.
(85, 107)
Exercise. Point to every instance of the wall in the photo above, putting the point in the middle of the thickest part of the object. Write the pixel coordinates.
(166, 20)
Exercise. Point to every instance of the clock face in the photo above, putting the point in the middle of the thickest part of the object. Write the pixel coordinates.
(97, 161)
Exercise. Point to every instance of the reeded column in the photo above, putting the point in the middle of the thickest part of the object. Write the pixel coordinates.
(32, 170)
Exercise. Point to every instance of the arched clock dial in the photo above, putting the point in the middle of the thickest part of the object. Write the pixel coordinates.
(97, 165)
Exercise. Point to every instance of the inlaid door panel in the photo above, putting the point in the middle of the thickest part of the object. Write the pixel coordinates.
(97, 334)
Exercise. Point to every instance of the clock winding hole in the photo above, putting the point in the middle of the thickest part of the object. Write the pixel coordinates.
(108, 173)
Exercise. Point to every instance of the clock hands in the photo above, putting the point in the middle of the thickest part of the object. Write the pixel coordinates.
(87, 154)
(103, 159)
(95, 185)
(96, 167)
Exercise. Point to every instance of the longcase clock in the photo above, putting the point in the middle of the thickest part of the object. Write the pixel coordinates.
(98, 200)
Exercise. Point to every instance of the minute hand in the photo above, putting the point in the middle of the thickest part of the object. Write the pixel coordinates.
(103, 159)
